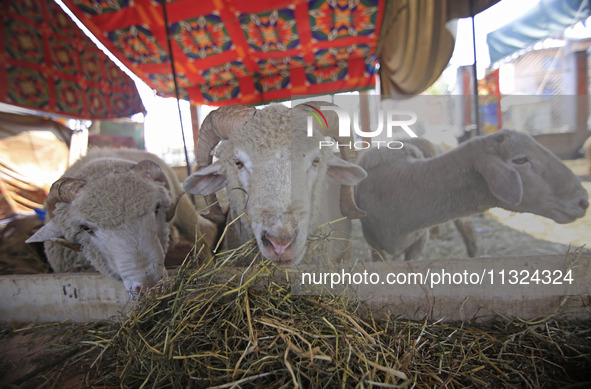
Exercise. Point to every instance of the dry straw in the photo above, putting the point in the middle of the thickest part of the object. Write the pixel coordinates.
(216, 327)
(213, 326)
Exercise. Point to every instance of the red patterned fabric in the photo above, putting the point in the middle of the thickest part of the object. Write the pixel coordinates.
(49, 64)
(241, 51)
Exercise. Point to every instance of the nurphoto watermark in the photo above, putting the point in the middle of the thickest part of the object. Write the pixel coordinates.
(388, 120)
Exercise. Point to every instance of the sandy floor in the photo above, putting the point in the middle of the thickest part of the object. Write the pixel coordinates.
(504, 233)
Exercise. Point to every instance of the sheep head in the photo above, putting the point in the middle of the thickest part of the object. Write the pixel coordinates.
(526, 177)
(274, 173)
(118, 220)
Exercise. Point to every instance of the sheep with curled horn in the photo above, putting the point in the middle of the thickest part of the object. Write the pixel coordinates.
(277, 176)
(113, 209)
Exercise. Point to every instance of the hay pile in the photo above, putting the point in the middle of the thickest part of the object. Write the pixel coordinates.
(206, 329)
(203, 330)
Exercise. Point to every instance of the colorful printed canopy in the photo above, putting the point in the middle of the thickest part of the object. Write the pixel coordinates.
(241, 51)
(49, 65)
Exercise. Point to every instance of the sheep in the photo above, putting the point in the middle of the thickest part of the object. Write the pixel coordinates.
(427, 149)
(278, 176)
(404, 193)
(111, 209)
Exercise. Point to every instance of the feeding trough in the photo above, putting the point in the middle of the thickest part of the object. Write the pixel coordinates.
(450, 290)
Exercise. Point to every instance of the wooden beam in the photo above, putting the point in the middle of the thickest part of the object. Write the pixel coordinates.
(481, 289)
(582, 97)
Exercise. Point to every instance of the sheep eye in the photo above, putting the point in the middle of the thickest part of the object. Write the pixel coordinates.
(520, 160)
(315, 162)
(158, 205)
(238, 163)
(87, 229)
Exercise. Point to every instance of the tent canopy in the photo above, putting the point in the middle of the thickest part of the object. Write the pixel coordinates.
(241, 51)
(251, 52)
(549, 17)
(50, 65)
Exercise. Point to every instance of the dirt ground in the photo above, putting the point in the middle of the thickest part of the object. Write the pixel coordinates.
(502, 233)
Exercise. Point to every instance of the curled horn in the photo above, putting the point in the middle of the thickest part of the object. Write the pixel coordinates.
(63, 190)
(151, 170)
(66, 243)
(218, 125)
(346, 201)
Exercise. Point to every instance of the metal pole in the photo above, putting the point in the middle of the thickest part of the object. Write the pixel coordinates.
(176, 88)
(476, 103)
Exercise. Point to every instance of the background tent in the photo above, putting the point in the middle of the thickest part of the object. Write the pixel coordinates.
(34, 154)
(416, 45)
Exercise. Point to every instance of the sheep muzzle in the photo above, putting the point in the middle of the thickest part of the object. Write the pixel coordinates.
(280, 243)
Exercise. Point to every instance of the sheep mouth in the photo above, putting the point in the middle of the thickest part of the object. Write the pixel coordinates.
(565, 216)
(282, 251)
(277, 250)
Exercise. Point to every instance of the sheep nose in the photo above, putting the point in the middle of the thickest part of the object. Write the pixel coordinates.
(280, 243)
(138, 289)
(584, 203)
(135, 292)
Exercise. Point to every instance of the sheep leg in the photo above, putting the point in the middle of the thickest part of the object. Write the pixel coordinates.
(378, 255)
(415, 250)
(464, 226)
(435, 231)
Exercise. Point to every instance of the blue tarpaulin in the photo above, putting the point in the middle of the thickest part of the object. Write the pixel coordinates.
(548, 18)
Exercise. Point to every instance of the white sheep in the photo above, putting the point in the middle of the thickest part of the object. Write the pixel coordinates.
(278, 176)
(404, 194)
(423, 148)
(111, 209)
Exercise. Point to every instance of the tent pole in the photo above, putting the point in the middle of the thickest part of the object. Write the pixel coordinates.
(195, 124)
(364, 110)
(476, 103)
(176, 88)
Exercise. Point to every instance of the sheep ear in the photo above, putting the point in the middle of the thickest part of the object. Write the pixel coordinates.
(49, 231)
(344, 172)
(52, 232)
(205, 181)
(502, 179)
(150, 170)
